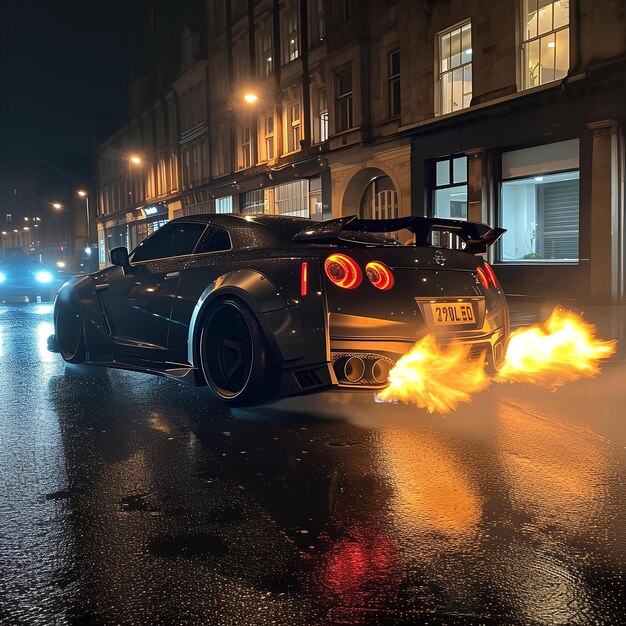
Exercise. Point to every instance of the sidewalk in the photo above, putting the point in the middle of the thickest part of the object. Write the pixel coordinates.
(610, 320)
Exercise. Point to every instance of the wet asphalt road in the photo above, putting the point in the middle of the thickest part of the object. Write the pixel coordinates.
(129, 499)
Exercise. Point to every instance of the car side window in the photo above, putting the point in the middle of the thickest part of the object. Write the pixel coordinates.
(173, 239)
(214, 240)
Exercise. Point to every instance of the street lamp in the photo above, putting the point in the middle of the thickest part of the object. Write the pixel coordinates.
(57, 205)
(83, 194)
(135, 159)
(250, 97)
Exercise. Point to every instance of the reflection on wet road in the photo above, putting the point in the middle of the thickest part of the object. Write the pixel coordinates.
(129, 499)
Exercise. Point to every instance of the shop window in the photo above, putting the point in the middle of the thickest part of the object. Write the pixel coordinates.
(292, 198)
(450, 191)
(224, 205)
(254, 202)
(343, 103)
(540, 204)
(393, 87)
(316, 207)
(455, 68)
(545, 41)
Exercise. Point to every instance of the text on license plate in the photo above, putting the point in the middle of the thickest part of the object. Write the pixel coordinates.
(452, 313)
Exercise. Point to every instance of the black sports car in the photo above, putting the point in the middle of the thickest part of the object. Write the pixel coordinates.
(261, 307)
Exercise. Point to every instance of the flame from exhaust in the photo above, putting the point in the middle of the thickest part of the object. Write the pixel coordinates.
(435, 378)
(561, 350)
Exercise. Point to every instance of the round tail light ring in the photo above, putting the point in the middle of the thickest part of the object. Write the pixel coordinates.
(343, 271)
(379, 275)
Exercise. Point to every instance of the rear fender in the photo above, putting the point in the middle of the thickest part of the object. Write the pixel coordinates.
(280, 323)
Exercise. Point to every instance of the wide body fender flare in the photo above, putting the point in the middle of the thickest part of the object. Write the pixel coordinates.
(280, 323)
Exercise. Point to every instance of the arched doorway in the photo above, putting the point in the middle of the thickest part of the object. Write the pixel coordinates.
(380, 200)
(372, 194)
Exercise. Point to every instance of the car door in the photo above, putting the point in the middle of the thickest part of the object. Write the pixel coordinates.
(212, 257)
(138, 300)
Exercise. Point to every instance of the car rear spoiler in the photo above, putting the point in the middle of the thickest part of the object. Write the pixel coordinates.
(475, 235)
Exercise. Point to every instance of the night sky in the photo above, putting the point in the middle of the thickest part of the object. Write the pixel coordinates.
(64, 63)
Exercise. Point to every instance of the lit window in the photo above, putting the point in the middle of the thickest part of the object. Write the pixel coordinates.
(323, 115)
(224, 205)
(540, 203)
(265, 56)
(394, 82)
(450, 192)
(545, 47)
(254, 202)
(269, 137)
(343, 103)
(292, 198)
(293, 127)
(455, 68)
(290, 48)
(245, 153)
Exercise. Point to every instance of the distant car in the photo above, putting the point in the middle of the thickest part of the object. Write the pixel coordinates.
(262, 307)
(23, 278)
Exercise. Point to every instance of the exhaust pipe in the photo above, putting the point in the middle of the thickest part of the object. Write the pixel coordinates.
(380, 371)
(351, 369)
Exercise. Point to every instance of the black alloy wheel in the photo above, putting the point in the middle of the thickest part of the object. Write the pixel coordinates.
(68, 326)
(234, 355)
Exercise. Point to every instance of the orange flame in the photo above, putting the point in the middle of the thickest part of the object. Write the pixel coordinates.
(561, 350)
(435, 378)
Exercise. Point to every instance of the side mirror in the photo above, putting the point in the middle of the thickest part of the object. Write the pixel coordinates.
(119, 256)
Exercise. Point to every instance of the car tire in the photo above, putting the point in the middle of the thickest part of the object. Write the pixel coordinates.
(68, 325)
(234, 356)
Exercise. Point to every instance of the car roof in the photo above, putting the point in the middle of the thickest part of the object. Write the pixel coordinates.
(257, 230)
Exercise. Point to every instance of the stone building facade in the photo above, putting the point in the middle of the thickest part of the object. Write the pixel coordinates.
(507, 112)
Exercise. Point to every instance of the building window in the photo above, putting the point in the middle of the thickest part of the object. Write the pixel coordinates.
(9, 217)
(545, 47)
(265, 56)
(292, 198)
(290, 48)
(393, 69)
(268, 127)
(455, 68)
(293, 127)
(245, 148)
(540, 203)
(254, 202)
(380, 200)
(323, 115)
(343, 103)
(316, 207)
(450, 192)
(224, 205)
(317, 22)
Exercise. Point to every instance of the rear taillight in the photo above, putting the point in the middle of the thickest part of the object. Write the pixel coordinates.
(491, 276)
(482, 277)
(304, 279)
(379, 275)
(343, 271)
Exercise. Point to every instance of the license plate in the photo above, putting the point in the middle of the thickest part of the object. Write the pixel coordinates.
(449, 313)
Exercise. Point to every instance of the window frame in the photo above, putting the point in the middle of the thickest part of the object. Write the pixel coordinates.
(341, 99)
(170, 225)
(392, 80)
(451, 184)
(269, 136)
(294, 127)
(441, 108)
(526, 41)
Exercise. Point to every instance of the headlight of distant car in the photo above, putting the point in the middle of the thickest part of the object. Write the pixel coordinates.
(2, 277)
(43, 277)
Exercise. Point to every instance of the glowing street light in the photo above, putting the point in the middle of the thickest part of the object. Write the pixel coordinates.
(82, 193)
(57, 205)
(250, 98)
(135, 159)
